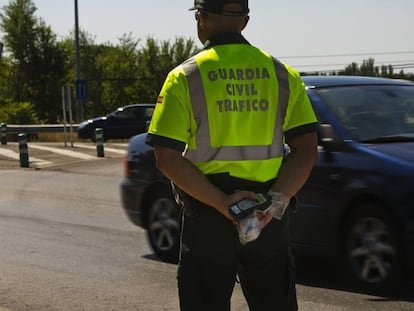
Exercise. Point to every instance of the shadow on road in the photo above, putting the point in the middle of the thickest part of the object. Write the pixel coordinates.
(154, 257)
(328, 273)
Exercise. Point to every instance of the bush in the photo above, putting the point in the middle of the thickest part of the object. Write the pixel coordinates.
(18, 113)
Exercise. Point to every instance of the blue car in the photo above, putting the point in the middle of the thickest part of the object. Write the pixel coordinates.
(122, 123)
(358, 204)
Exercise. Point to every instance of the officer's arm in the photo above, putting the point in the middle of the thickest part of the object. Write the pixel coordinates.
(296, 168)
(189, 179)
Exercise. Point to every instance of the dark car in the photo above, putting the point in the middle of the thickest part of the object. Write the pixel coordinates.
(124, 122)
(358, 204)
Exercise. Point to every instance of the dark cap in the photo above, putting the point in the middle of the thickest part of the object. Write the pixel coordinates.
(216, 6)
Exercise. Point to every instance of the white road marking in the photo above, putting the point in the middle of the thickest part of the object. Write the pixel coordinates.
(120, 144)
(16, 156)
(105, 148)
(69, 153)
(37, 162)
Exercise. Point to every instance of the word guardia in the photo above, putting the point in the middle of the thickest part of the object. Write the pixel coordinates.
(238, 86)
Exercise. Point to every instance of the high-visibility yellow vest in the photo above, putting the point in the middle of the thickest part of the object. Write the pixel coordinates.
(232, 105)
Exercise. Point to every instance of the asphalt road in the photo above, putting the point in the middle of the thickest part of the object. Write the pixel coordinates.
(66, 245)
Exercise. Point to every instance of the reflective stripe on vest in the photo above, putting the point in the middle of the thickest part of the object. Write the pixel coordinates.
(204, 151)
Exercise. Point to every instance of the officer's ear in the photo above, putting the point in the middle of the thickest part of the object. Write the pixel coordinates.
(202, 19)
(246, 20)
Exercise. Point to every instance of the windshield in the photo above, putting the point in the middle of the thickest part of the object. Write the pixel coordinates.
(373, 112)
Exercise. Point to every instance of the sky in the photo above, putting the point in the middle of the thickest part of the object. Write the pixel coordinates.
(306, 34)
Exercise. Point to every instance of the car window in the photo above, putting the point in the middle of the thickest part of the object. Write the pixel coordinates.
(148, 112)
(134, 112)
(124, 113)
(142, 112)
(372, 111)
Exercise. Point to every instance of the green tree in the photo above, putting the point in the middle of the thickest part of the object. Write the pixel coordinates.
(118, 74)
(124, 73)
(352, 69)
(21, 113)
(118, 68)
(367, 68)
(156, 60)
(38, 61)
(46, 73)
(18, 23)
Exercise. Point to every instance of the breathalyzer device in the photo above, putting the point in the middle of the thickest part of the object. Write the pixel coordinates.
(245, 207)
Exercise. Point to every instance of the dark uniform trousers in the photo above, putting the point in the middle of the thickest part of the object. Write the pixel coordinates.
(212, 257)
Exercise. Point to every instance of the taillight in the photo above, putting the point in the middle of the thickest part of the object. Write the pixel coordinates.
(126, 168)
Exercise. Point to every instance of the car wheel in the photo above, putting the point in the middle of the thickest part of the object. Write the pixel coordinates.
(164, 225)
(372, 249)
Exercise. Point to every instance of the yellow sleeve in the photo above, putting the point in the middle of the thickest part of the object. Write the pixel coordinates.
(299, 111)
(172, 116)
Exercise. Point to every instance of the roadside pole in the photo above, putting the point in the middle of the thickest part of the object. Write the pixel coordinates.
(67, 107)
(65, 138)
(3, 125)
(4, 134)
(70, 114)
(23, 150)
(99, 142)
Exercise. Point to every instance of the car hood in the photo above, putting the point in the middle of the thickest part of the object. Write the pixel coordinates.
(403, 151)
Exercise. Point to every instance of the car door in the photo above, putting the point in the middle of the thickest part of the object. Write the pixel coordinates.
(129, 121)
(141, 115)
(315, 222)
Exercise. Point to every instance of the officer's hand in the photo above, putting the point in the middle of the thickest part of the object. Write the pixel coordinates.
(280, 203)
(234, 198)
(276, 210)
(265, 217)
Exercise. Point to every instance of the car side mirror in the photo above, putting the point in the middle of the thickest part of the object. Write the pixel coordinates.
(327, 137)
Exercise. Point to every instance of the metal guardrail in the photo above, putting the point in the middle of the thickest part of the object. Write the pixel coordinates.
(44, 128)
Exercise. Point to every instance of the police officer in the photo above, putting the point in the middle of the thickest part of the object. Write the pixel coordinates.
(218, 132)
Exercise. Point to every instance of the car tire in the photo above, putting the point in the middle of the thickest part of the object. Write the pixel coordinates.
(163, 229)
(373, 253)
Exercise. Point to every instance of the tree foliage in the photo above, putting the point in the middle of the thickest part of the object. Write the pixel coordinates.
(20, 113)
(368, 68)
(37, 66)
